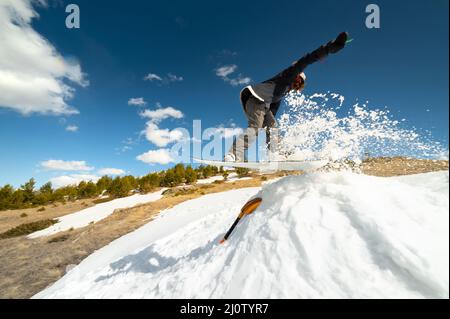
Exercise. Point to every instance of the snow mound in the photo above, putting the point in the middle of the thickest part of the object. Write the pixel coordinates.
(322, 235)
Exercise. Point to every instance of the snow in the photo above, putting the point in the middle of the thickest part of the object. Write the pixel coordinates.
(322, 126)
(233, 177)
(95, 213)
(209, 180)
(320, 235)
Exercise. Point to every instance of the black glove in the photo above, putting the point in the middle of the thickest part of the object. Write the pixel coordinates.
(338, 44)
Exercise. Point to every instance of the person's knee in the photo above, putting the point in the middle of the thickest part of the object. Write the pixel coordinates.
(256, 113)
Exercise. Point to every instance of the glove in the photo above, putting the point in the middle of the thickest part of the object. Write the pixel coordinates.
(338, 44)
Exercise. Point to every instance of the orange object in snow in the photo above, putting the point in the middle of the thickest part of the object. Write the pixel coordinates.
(247, 209)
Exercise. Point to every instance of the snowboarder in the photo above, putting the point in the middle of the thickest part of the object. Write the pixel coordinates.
(261, 101)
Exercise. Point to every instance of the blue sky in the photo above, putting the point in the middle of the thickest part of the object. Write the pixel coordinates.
(403, 65)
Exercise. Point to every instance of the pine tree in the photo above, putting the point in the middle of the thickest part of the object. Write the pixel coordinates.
(45, 194)
(242, 172)
(87, 190)
(6, 193)
(225, 175)
(120, 187)
(28, 191)
(208, 171)
(169, 179)
(148, 182)
(190, 175)
(46, 188)
(104, 183)
(18, 199)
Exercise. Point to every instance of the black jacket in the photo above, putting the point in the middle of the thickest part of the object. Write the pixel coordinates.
(274, 89)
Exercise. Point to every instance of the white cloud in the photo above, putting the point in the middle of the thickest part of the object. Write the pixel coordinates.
(123, 149)
(137, 101)
(224, 73)
(129, 141)
(161, 156)
(60, 165)
(174, 78)
(154, 134)
(240, 81)
(170, 77)
(32, 71)
(161, 137)
(73, 179)
(127, 145)
(226, 70)
(152, 77)
(158, 115)
(72, 128)
(227, 53)
(111, 171)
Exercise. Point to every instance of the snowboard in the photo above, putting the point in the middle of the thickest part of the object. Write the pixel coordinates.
(269, 166)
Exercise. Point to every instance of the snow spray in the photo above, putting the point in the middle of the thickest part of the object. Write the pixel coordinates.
(321, 126)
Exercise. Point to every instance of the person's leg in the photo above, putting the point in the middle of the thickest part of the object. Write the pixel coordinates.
(270, 124)
(255, 111)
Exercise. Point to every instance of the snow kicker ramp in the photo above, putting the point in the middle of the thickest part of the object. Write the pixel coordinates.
(321, 235)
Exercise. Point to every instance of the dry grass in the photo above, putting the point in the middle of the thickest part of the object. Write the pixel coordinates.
(28, 266)
(397, 166)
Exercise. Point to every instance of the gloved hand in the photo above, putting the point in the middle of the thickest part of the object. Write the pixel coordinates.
(338, 44)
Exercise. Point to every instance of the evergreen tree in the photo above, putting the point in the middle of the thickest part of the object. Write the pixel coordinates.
(104, 183)
(28, 191)
(179, 174)
(199, 172)
(225, 175)
(190, 175)
(242, 172)
(207, 171)
(180, 171)
(148, 182)
(46, 188)
(66, 193)
(45, 194)
(169, 179)
(120, 187)
(87, 190)
(6, 193)
(131, 180)
(18, 199)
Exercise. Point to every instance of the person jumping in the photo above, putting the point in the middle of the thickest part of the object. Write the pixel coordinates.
(261, 101)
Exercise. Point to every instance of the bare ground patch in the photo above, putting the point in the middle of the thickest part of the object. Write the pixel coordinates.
(396, 166)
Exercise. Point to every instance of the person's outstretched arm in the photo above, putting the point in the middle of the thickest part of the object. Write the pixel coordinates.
(297, 67)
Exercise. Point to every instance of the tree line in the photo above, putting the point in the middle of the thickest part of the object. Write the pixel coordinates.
(27, 195)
